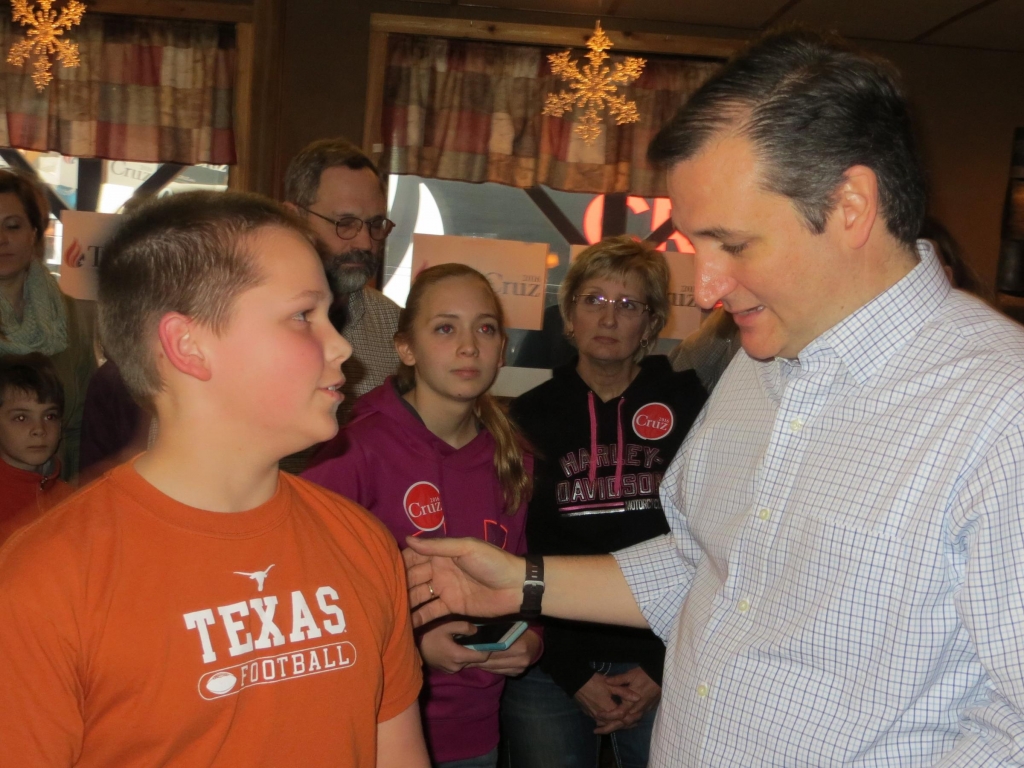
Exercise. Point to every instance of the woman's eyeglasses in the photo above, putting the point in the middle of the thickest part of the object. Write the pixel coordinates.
(594, 302)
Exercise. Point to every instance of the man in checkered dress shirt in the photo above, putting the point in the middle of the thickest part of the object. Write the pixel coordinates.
(843, 584)
(340, 194)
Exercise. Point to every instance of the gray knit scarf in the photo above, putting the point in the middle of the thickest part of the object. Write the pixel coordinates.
(44, 324)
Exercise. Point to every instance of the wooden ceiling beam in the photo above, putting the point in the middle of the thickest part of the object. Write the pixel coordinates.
(194, 10)
(954, 18)
(542, 34)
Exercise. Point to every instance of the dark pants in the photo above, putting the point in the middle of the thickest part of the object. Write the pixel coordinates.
(544, 727)
(490, 760)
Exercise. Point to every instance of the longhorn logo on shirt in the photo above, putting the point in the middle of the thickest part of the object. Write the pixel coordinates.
(422, 504)
(653, 422)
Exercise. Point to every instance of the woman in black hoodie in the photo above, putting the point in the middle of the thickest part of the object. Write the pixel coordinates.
(604, 429)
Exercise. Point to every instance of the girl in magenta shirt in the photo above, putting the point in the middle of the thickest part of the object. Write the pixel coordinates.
(431, 454)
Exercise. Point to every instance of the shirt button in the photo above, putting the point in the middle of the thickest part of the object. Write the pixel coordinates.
(764, 514)
(703, 690)
(796, 425)
(743, 606)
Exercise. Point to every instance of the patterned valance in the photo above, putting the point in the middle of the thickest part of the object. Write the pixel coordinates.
(147, 90)
(471, 111)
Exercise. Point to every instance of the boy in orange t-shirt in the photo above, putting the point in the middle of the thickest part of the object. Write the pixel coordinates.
(31, 406)
(196, 607)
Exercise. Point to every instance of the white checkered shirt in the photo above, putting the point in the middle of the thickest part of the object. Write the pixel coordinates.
(844, 580)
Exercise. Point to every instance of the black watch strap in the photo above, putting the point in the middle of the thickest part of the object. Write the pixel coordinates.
(533, 587)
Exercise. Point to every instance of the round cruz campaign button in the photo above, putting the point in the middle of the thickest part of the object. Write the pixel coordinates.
(422, 504)
(654, 421)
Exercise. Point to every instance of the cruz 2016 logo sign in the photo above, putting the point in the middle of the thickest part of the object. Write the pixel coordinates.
(653, 422)
(422, 504)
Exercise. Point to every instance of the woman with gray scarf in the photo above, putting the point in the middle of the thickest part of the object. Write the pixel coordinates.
(34, 315)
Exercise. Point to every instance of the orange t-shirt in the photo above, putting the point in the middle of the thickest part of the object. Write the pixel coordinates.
(137, 631)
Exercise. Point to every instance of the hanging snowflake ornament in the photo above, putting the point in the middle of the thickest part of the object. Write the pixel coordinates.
(43, 37)
(595, 88)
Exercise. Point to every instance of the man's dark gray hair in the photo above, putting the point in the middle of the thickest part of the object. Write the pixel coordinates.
(302, 179)
(813, 108)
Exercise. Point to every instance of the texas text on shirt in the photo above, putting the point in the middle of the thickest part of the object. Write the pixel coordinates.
(137, 631)
(861, 601)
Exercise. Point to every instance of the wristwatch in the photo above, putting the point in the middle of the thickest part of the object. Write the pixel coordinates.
(533, 587)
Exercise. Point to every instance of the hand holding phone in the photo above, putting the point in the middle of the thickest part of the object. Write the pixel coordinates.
(440, 651)
(497, 636)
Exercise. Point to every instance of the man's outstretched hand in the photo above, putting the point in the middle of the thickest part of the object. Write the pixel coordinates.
(468, 577)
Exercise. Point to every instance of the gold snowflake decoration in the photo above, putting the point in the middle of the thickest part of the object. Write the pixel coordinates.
(595, 88)
(43, 37)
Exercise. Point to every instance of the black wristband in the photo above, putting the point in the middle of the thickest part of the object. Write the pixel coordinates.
(533, 587)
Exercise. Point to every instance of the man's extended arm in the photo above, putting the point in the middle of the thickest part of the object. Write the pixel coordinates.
(641, 586)
(473, 578)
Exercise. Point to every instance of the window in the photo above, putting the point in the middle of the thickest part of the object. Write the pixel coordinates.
(118, 181)
(438, 207)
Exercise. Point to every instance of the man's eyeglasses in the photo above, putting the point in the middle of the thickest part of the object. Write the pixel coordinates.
(348, 227)
(594, 302)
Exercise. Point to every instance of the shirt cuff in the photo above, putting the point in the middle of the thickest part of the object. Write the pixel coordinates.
(659, 579)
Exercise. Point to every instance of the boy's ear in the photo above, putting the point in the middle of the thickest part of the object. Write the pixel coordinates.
(293, 208)
(404, 350)
(181, 347)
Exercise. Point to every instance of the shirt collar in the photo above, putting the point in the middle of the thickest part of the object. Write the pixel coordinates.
(356, 307)
(865, 340)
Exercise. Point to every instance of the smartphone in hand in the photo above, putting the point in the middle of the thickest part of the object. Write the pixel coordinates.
(497, 636)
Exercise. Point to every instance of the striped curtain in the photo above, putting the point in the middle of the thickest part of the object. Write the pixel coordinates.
(147, 90)
(471, 111)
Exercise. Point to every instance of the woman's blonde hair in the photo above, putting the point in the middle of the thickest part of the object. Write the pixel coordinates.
(621, 257)
(515, 481)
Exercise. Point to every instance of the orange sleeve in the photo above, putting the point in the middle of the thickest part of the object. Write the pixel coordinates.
(403, 671)
(41, 693)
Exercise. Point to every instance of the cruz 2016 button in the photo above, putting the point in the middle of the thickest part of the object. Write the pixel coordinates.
(653, 422)
(422, 504)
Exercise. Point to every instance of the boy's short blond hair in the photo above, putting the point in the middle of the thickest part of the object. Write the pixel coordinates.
(189, 253)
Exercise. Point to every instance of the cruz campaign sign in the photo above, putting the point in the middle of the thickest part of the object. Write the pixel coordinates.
(517, 271)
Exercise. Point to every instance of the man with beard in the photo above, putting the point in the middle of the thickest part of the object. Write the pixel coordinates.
(339, 192)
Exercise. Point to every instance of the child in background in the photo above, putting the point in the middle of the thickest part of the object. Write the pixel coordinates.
(430, 453)
(31, 407)
(195, 606)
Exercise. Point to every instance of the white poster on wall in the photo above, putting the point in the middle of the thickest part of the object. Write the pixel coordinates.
(85, 235)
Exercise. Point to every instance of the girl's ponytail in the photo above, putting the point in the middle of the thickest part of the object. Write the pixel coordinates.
(516, 482)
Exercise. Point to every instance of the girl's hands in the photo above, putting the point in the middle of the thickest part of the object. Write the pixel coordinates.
(520, 655)
(440, 651)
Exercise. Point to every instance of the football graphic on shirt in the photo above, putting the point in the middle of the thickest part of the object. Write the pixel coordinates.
(221, 683)
(422, 504)
(653, 422)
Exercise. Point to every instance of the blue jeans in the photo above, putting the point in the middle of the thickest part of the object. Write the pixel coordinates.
(544, 727)
(490, 760)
